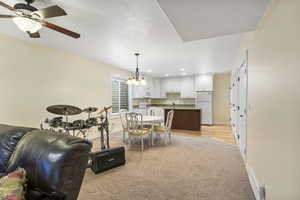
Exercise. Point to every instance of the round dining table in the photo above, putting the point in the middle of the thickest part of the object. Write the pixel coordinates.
(152, 119)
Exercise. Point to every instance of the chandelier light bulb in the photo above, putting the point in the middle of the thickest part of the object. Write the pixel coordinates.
(143, 81)
(129, 81)
(137, 82)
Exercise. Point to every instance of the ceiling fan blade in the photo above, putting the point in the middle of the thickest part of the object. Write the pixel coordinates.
(7, 16)
(58, 28)
(34, 35)
(52, 11)
(7, 6)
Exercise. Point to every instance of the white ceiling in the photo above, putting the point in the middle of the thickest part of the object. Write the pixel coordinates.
(113, 30)
(201, 19)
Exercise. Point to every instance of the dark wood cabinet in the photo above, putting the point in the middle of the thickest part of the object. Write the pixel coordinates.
(186, 119)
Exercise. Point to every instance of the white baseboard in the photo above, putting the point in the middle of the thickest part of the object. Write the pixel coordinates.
(98, 135)
(254, 183)
(221, 124)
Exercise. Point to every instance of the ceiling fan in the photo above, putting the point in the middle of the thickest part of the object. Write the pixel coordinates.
(30, 19)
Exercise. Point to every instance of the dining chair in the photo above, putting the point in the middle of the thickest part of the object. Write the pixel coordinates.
(166, 129)
(135, 127)
(155, 111)
(123, 122)
(151, 111)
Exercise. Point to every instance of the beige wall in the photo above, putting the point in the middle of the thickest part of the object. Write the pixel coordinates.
(273, 139)
(221, 83)
(33, 77)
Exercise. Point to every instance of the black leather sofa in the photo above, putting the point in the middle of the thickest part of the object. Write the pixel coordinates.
(55, 163)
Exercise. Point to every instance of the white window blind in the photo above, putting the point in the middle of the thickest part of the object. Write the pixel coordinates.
(119, 95)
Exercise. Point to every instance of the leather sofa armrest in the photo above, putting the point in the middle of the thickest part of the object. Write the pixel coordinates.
(55, 163)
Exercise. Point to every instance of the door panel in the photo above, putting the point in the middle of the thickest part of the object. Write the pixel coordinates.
(243, 107)
(239, 105)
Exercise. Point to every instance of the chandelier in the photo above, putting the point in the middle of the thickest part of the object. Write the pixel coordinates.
(136, 78)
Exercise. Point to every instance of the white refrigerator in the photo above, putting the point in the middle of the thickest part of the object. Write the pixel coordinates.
(204, 100)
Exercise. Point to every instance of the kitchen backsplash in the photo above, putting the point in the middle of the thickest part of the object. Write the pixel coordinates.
(171, 98)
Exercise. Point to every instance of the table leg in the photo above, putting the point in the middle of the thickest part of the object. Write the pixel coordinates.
(152, 131)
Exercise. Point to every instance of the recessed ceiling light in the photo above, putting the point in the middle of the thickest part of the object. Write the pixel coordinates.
(182, 69)
(167, 75)
(149, 70)
(183, 74)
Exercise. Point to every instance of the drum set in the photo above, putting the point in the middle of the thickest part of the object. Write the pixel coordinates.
(77, 127)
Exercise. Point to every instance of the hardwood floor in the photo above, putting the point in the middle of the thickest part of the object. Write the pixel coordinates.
(222, 133)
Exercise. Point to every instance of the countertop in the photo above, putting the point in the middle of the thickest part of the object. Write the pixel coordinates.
(177, 107)
(181, 108)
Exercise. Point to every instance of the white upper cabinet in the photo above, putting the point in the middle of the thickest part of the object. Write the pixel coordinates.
(163, 88)
(148, 87)
(173, 85)
(187, 86)
(204, 83)
(169, 85)
(156, 88)
(138, 91)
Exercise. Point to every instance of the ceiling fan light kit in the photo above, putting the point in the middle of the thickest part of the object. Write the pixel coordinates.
(30, 19)
(136, 78)
(27, 25)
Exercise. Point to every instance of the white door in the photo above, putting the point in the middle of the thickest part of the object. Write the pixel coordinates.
(241, 108)
(243, 88)
(233, 93)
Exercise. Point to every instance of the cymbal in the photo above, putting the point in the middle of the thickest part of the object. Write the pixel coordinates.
(64, 110)
(90, 110)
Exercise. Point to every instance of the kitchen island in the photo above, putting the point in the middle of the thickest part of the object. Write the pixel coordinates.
(185, 118)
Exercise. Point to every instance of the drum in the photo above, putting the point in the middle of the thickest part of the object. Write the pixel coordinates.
(78, 124)
(66, 125)
(55, 122)
(91, 122)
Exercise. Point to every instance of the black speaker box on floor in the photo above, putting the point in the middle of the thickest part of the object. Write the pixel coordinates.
(107, 159)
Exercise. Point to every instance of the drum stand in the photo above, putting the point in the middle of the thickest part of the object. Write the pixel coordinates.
(104, 126)
(82, 131)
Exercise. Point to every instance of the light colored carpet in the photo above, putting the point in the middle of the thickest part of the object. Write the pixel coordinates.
(191, 168)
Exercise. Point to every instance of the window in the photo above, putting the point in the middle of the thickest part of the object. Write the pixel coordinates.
(119, 95)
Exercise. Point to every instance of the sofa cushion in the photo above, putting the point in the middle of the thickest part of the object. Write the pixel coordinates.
(12, 185)
(9, 138)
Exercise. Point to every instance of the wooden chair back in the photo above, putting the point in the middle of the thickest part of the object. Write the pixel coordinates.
(123, 118)
(169, 121)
